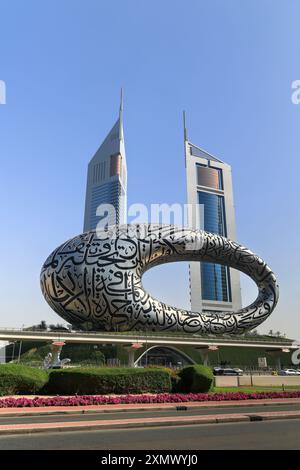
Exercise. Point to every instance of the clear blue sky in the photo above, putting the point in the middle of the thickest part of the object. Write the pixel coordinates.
(228, 63)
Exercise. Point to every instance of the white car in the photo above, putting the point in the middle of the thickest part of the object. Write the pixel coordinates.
(291, 372)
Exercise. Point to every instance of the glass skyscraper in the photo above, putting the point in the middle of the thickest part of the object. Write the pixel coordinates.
(107, 180)
(213, 287)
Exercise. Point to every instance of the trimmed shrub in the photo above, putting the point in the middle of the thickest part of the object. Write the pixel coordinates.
(195, 378)
(91, 381)
(16, 379)
(172, 373)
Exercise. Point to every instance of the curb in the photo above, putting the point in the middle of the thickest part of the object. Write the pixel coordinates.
(94, 426)
(144, 422)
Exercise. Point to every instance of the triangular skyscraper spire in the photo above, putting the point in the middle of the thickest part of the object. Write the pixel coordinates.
(107, 177)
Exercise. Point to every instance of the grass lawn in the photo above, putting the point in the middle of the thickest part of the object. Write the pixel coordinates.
(255, 389)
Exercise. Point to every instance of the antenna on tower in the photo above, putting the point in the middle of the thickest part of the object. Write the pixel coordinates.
(184, 127)
(121, 101)
(121, 116)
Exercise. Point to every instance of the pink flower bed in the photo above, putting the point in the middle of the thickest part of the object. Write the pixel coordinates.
(83, 400)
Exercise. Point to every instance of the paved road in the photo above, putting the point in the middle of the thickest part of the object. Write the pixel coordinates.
(273, 435)
(56, 418)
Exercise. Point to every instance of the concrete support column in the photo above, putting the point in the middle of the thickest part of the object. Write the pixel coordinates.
(131, 357)
(276, 353)
(53, 358)
(131, 350)
(278, 363)
(204, 352)
(205, 357)
(56, 350)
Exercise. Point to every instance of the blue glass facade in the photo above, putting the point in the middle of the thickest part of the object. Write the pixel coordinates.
(106, 193)
(215, 278)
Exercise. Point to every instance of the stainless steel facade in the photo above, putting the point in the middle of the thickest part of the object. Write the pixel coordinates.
(96, 279)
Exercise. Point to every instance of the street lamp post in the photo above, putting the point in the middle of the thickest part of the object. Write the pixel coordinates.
(146, 358)
(19, 355)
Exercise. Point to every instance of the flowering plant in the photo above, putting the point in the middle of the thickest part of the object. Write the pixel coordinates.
(84, 400)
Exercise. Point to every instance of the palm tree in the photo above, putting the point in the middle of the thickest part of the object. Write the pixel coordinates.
(42, 325)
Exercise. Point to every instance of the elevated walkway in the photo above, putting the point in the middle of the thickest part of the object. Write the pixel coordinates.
(149, 338)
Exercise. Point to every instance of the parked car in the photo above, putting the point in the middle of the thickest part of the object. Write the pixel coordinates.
(289, 372)
(227, 371)
(217, 371)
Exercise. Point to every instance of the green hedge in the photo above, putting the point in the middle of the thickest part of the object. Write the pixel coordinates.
(195, 378)
(18, 379)
(94, 381)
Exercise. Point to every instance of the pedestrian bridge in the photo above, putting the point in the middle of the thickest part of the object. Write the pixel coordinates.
(149, 338)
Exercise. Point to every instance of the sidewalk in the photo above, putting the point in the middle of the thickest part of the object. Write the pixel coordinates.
(218, 417)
